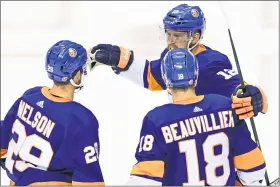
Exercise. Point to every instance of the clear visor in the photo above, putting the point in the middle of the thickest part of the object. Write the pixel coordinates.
(175, 38)
(85, 68)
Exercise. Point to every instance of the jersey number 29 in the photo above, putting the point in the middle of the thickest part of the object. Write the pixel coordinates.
(23, 147)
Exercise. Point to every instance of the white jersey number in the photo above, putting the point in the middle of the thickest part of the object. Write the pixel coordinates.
(22, 149)
(227, 73)
(148, 143)
(91, 153)
(188, 147)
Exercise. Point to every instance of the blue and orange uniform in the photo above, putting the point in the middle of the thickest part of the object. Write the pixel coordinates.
(216, 75)
(48, 140)
(199, 143)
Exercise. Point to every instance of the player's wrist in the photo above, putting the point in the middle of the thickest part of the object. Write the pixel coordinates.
(124, 66)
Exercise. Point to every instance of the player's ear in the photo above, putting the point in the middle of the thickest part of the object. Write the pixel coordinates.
(77, 77)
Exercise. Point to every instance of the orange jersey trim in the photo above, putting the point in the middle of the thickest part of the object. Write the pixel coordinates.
(152, 83)
(237, 183)
(74, 183)
(48, 95)
(249, 160)
(150, 168)
(191, 100)
(50, 183)
(198, 49)
(12, 183)
(3, 152)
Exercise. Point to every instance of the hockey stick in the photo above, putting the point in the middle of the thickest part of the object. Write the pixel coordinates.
(242, 87)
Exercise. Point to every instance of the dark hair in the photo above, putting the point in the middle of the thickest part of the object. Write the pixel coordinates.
(67, 82)
(197, 31)
(181, 89)
(61, 83)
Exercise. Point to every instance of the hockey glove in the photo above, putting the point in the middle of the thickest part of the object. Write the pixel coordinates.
(249, 101)
(119, 58)
(3, 158)
(2, 163)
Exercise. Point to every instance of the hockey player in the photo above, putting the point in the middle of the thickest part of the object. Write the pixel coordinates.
(46, 137)
(197, 139)
(184, 26)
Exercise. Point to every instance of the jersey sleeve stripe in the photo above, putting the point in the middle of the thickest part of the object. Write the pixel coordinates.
(253, 169)
(12, 183)
(145, 74)
(74, 183)
(149, 168)
(152, 83)
(50, 183)
(3, 152)
(157, 179)
(237, 183)
(249, 160)
(142, 181)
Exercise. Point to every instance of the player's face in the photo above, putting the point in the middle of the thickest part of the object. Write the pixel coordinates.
(176, 39)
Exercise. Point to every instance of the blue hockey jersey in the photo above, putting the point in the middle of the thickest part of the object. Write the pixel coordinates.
(48, 140)
(200, 143)
(216, 75)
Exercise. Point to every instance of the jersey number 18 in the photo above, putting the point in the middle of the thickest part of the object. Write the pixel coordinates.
(188, 147)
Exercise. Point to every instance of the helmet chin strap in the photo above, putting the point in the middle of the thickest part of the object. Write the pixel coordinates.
(189, 42)
(191, 48)
(78, 87)
(188, 45)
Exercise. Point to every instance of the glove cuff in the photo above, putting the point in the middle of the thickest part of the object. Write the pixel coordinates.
(119, 69)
